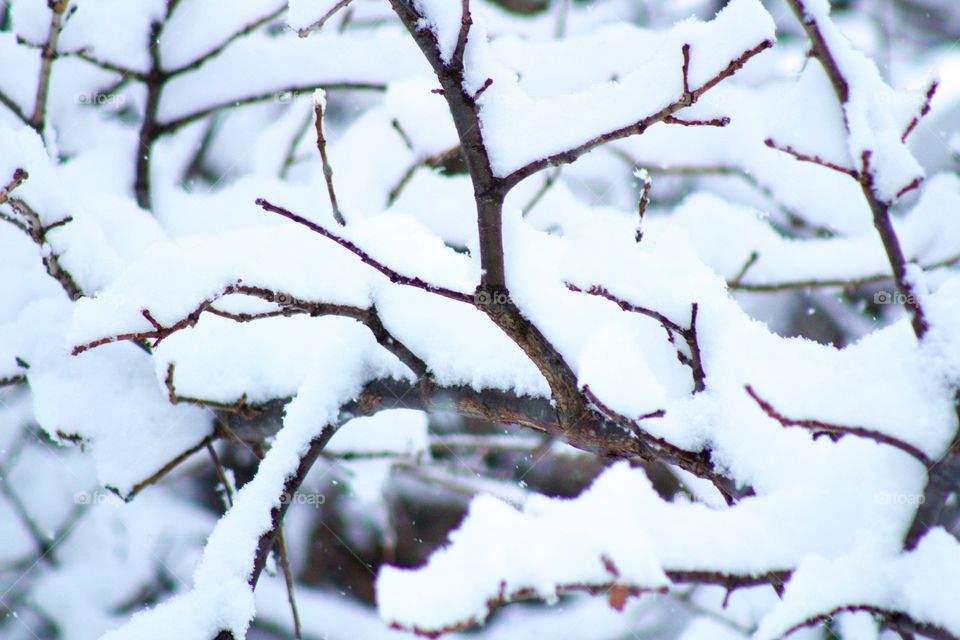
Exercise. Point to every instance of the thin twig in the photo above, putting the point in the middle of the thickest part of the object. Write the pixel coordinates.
(836, 431)
(813, 159)
(393, 276)
(171, 126)
(548, 182)
(645, 185)
(281, 548)
(305, 31)
(319, 102)
(49, 53)
(688, 97)
(19, 175)
(233, 37)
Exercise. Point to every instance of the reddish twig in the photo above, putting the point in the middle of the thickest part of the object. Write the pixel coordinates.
(814, 159)
(689, 334)
(924, 110)
(713, 122)
(393, 276)
(689, 97)
(836, 431)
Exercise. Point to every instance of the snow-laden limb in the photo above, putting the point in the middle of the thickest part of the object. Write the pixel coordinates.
(877, 118)
(236, 551)
(554, 546)
(913, 591)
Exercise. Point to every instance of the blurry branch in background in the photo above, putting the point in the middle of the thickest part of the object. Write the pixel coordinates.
(304, 32)
(155, 79)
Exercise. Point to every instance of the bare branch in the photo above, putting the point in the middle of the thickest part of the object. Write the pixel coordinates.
(392, 275)
(836, 431)
(548, 183)
(645, 185)
(49, 53)
(802, 157)
(166, 128)
(689, 334)
(688, 98)
(233, 37)
(318, 104)
(281, 548)
(19, 175)
(924, 110)
(304, 32)
(750, 261)
(14, 108)
(466, 21)
(769, 287)
(889, 618)
(713, 122)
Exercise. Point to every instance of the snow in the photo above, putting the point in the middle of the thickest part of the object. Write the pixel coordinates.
(832, 512)
(919, 583)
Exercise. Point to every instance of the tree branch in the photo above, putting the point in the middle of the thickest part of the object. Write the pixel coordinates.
(836, 431)
(318, 104)
(393, 276)
(688, 97)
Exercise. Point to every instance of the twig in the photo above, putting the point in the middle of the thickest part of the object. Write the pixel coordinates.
(689, 334)
(171, 126)
(290, 157)
(760, 287)
(14, 108)
(38, 233)
(890, 618)
(392, 275)
(712, 122)
(645, 185)
(548, 182)
(221, 474)
(49, 53)
(750, 261)
(429, 161)
(814, 159)
(233, 37)
(688, 97)
(304, 32)
(19, 175)
(836, 431)
(319, 102)
(281, 548)
(924, 110)
(466, 21)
